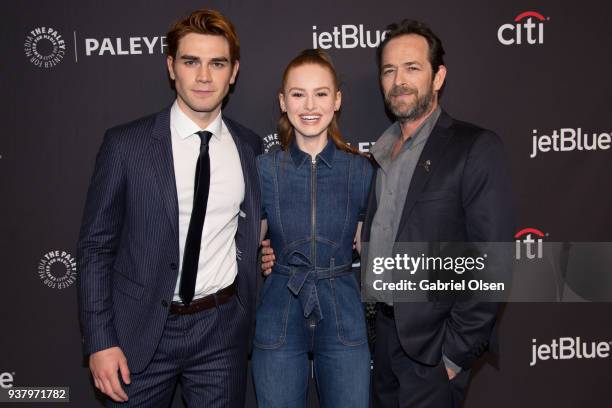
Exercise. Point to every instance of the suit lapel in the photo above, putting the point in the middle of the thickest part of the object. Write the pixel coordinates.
(161, 155)
(428, 162)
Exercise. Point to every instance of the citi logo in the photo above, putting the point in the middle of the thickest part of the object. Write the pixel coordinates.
(347, 36)
(527, 246)
(569, 348)
(6, 380)
(524, 30)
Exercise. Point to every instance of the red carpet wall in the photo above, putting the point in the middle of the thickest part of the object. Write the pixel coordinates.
(528, 70)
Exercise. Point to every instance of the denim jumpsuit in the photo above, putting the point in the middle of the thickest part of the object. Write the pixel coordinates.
(311, 302)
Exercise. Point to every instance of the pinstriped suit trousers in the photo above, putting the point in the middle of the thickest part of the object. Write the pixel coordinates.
(206, 352)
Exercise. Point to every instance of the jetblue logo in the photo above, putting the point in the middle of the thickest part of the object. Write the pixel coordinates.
(6, 380)
(569, 348)
(347, 36)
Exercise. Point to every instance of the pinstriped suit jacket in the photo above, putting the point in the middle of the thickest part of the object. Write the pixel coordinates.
(128, 249)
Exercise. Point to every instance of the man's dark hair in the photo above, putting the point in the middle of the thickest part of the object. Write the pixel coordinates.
(405, 27)
(208, 22)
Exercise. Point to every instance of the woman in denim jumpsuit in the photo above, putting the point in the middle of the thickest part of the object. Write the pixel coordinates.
(314, 193)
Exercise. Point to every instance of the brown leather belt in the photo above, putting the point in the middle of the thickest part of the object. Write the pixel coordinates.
(216, 299)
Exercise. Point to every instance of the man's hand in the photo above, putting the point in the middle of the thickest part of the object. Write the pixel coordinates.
(451, 373)
(104, 365)
(267, 257)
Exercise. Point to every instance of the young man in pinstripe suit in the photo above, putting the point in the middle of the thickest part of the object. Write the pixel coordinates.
(168, 244)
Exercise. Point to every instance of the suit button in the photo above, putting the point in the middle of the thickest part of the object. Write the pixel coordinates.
(173, 266)
(164, 303)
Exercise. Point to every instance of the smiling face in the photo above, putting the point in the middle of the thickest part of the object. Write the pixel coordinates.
(202, 73)
(310, 98)
(409, 84)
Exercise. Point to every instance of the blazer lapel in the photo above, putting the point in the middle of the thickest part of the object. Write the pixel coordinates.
(430, 158)
(161, 155)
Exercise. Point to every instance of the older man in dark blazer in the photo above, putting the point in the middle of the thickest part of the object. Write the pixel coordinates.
(437, 179)
(168, 244)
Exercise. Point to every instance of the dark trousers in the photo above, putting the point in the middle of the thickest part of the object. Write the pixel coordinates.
(399, 381)
(206, 352)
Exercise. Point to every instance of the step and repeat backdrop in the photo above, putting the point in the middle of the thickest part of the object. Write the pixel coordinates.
(536, 72)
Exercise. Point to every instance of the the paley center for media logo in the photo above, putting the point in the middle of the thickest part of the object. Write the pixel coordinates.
(527, 28)
(569, 348)
(44, 47)
(57, 269)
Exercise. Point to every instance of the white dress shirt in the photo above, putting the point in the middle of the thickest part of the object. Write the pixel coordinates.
(217, 267)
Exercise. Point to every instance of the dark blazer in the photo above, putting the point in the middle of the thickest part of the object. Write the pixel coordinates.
(128, 249)
(460, 191)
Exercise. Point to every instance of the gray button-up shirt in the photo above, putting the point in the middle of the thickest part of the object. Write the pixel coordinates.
(394, 177)
(392, 183)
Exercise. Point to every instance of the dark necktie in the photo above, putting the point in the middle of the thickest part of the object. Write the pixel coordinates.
(191, 255)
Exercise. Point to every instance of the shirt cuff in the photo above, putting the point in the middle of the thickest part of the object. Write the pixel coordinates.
(449, 364)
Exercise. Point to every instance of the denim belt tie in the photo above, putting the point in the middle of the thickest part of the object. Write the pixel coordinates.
(303, 278)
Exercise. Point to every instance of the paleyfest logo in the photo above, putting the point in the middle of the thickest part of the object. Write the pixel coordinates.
(528, 28)
(57, 269)
(45, 47)
(125, 46)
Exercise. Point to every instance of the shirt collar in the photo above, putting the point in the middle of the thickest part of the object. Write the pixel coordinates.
(382, 147)
(326, 155)
(185, 127)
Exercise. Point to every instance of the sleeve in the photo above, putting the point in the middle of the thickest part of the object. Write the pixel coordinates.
(450, 364)
(258, 147)
(260, 162)
(97, 247)
(487, 203)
